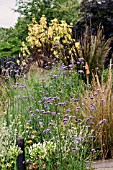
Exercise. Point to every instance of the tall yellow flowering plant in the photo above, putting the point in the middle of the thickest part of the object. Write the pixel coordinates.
(50, 42)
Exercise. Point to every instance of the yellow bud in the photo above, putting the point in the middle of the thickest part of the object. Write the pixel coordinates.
(77, 45)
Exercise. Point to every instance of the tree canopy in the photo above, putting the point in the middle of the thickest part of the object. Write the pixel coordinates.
(60, 9)
(9, 42)
(94, 13)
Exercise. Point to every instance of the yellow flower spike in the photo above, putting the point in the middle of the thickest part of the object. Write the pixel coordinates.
(43, 21)
(71, 25)
(34, 20)
(54, 20)
(77, 45)
(63, 23)
(29, 142)
(57, 56)
(57, 39)
(32, 137)
(23, 63)
(55, 53)
(18, 62)
(50, 32)
(40, 34)
(23, 44)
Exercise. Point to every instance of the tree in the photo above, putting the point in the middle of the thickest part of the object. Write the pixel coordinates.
(94, 14)
(61, 9)
(9, 42)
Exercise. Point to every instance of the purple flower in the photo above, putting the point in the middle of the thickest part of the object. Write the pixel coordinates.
(23, 86)
(41, 123)
(81, 59)
(14, 86)
(83, 104)
(95, 94)
(87, 119)
(68, 110)
(92, 108)
(104, 121)
(43, 111)
(47, 131)
(92, 123)
(66, 115)
(63, 73)
(79, 139)
(37, 110)
(73, 149)
(48, 112)
(33, 115)
(80, 71)
(103, 100)
(39, 117)
(98, 90)
(78, 108)
(55, 77)
(57, 137)
(91, 137)
(75, 100)
(65, 120)
(62, 104)
(93, 150)
(53, 113)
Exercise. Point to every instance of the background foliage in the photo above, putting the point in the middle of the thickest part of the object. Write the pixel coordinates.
(11, 38)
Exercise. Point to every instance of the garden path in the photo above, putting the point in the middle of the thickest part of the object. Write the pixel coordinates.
(103, 165)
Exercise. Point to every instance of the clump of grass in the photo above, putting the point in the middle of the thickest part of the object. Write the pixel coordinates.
(97, 101)
(94, 50)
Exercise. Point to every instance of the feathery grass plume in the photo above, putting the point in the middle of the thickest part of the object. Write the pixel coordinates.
(98, 103)
(94, 50)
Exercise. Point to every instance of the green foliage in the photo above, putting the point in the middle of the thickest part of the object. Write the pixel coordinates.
(9, 42)
(61, 9)
(56, 107)
(24, 117)
(68, 9)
